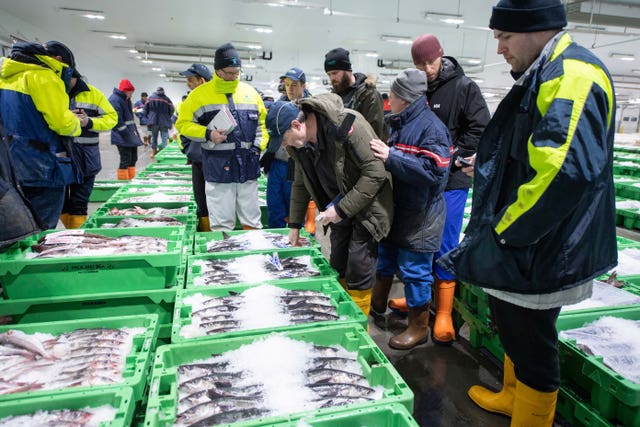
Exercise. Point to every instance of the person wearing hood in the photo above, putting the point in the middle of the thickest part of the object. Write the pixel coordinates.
(96, 114)
(158, 111)
(125, 134)
(335, 167)
(418, 157)
(458, 102)
(35, 110)
(230, 158)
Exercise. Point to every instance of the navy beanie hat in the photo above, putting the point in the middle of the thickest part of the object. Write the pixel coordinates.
(527, 16)
(337, 59)
(226, 56)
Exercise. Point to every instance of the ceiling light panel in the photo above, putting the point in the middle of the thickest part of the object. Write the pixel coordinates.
(396, 39)
(94, 15)
(111, 34)
(259, 28)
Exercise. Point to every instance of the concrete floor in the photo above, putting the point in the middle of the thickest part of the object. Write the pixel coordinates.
(439, 376)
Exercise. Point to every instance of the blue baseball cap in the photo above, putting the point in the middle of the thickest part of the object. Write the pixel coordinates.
(296, 74)
(279, 119)
(199, 70)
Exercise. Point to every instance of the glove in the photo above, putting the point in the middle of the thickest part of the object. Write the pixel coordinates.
(266, 160)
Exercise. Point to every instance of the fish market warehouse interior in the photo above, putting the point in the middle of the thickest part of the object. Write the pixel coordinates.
(153, 276)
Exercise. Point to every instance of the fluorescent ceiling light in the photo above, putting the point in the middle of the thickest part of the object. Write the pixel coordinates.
(132, 51)
(477, 80)
(247, 45)
(447, 18)
(156, 69)
(367, 53)
(97, 15)
(111, 34)
(147, 61)
(163, 75)
(488, 94)
(259, 28)
(467, 60)
(247, 65)
(635, 71)
(397, 39)
(623, 56)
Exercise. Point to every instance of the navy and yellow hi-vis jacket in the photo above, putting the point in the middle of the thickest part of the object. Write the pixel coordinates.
(543, 215)
(125, 132)
(103, 117)
(35, 108)
(238, 158)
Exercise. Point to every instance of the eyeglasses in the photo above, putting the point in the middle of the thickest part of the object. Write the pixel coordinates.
(232, 74)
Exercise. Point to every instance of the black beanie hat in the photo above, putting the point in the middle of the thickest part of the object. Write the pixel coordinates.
(337, 59)
(527, 16)
(226, 56)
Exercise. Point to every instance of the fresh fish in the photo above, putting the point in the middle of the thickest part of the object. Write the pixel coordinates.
(324, 376)
(337, 362)
(341, 390)
(28, 342)
(304, 316)
(200, 369)
(328, 402)
(231, 416)
(207, 381)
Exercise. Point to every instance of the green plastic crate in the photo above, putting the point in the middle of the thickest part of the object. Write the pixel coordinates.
(121, 399)
(42, 277)
(628, 190)
(578, 413)
(626, 169)
(105, 208)
(137, 362)
(393, 415)
(190, 223)
(154, 173)
(202, 238)
(121, 196)
(340, 298)
(166, 167)
(102, 190)
(87, 306)
(614, 397)
(624, 243)
(162, 405)
(144, 189)
(317, 260)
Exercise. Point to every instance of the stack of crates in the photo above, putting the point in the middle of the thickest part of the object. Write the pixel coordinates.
(626, 169)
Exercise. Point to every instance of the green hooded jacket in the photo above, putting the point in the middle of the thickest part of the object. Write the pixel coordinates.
(362, 179)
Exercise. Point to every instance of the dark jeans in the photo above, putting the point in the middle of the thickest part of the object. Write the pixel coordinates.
(128, 156)
(47, 203)
(164, 136)
(197, 179)
(354, 254)
(530, 339)
(77, 196)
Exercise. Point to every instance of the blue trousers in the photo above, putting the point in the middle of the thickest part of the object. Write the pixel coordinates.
(164, 136)
(413, 269)
(47, 203)
(76, 198)
(278, 194)
(455, 200)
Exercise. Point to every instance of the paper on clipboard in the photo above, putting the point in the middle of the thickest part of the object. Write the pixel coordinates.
(223, 122)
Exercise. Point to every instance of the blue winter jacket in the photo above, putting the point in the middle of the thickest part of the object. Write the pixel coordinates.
(125, 133)
(419, 159)
(158, 110)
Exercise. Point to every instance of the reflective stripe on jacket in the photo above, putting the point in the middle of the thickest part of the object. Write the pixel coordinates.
(237, 158)
(35, 108)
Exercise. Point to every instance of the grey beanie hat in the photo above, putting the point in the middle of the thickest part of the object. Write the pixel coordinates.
(410, 84)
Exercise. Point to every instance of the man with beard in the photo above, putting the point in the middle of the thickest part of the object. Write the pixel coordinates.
(358, 91)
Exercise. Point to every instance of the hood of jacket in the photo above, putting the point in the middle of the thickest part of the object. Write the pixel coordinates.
(328, 104)
(450, 69)
(11, 67)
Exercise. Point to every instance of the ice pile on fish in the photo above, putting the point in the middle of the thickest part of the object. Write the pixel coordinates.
(252, 269)
(157, 197)
(137, 210)
(604, 295)
(628, 205)
(165, 188)
(252, 240)
(82, 357)
(617, 340)
(273, 376)
(264, 306)
(168, 174)
(628, 262)
(149, 221)
(80, 243)
(86, 417)
(159, 181)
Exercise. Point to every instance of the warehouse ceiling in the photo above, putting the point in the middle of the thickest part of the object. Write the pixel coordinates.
(160, 38)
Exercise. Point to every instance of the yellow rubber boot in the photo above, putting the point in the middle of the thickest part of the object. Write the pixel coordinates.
(131, 171)
(64, 219)
(310, 223)
(76, 221)
(204, 224)
(443, 331)
(123, 174)
(499, 402)
(533, 408)
(362, 299)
